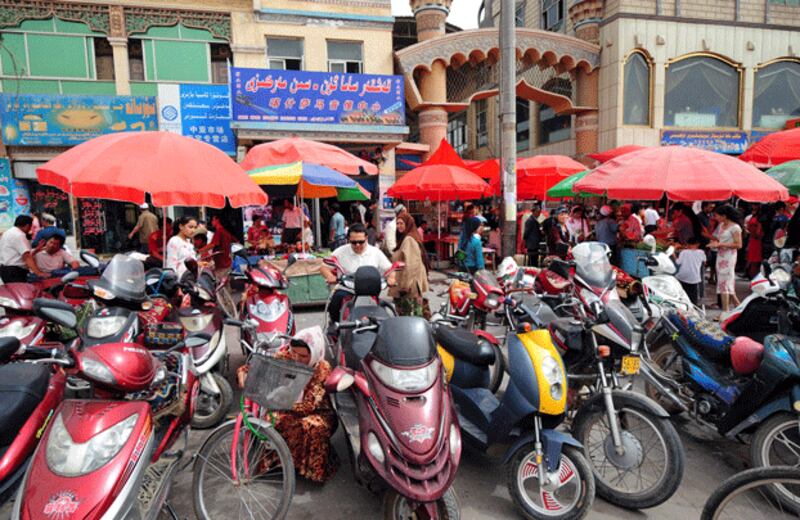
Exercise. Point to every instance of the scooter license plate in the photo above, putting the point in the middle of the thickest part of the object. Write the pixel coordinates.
(630, 365)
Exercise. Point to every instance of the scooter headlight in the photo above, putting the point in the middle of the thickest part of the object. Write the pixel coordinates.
(97, 370)
(196, 322)
(103, 327)
(8, 303)
(374, 447)
(406, 380)
(268, 311)
(71, 459)
(16, 329)
(554, 376)
(492, 301)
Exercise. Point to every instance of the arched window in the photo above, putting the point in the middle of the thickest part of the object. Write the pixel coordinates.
(553, 127)
(702, 92)
(636, 99)
(777, 94)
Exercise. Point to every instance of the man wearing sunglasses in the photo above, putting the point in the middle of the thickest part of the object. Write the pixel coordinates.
(356, 253)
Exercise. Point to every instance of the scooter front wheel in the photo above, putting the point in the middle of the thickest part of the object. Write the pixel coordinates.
(397, 507)
(210, 409)
(568, 497)
(775, 443)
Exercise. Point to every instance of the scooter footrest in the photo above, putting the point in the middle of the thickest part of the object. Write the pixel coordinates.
(156, 481)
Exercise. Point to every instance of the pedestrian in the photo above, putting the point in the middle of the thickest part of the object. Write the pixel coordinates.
(606, 231)
(532, 235)
(145, 225)
(577, 225)
(372, 234)
(54, 257)
(495, 238)
(220, 245)
(360, 213)
(473, 249)
(755, 250)
(412, 280)
(558, 235)
(651, 218)
(155, 245)
(50, 229)
(292, 223)
(352, 256)
(16, 258)
(308, 235)
(337, 231)
(691, 265)
(682, 229)
(179, 247)
(630, 229)
(727, 242)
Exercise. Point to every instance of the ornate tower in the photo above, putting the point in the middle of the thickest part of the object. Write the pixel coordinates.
(586, 16)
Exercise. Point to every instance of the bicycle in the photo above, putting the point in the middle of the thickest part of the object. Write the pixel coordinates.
(244, 469)
(756, 494)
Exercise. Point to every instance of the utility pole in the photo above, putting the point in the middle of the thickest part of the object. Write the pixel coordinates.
(508, 125)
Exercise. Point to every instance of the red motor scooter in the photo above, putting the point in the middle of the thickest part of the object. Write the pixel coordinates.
(108, 457)
(29, 394)
(395, 407)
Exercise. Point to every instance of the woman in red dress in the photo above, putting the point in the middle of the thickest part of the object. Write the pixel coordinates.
(755, 232)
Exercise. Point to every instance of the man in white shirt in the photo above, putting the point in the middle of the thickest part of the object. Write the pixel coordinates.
(15, 252)
(362, 211)
(292, 223)
(357, 253)
(651, 218)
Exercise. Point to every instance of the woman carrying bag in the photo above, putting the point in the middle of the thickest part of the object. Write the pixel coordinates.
(412, 282)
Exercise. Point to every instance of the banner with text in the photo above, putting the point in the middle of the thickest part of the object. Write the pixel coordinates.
(202, 112)
(293, 96)
(55, 120)
(14, 197)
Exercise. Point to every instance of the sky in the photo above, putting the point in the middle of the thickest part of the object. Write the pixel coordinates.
(463, 13)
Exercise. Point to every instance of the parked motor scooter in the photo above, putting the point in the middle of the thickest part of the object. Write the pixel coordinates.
(110, 457)
(29, 395)
(548, 475)
(395, 408)
(16, 300)
(736, 384)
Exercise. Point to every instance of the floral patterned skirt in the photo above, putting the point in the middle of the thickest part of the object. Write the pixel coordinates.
(726, 271)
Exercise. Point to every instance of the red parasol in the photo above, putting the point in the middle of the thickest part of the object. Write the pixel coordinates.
(774, 149)
(294, 149)
(613, 153)
(485, 169)
(537, 174)
(174, 170)
(682, 174)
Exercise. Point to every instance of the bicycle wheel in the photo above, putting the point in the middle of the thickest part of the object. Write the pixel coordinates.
(265, 480)
(751, 495)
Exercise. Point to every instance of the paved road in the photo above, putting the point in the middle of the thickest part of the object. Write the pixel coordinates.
(481, 480)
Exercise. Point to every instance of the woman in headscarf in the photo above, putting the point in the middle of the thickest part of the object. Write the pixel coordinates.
(412, 281)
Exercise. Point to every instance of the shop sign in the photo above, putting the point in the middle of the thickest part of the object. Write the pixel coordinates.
(14, 197)
(730, 142)
(202, 112)
(289, 96)
(55, 120)
(757, 135)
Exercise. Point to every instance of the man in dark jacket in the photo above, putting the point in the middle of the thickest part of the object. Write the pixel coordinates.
(533, 236)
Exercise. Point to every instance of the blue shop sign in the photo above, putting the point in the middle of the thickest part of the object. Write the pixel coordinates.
(202, 112)
(55, 120)
(732, 142)
(289, 96)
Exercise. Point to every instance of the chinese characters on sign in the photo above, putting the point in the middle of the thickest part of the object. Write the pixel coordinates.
(92, 222)
(43, 119)
(199, 111)
(287, 96)
(14, 198)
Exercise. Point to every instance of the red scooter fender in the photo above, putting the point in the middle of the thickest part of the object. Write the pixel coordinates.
(487, 336)
(27, 437)
(95, 494)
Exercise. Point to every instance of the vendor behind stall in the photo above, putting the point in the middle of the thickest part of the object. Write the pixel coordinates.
(292, 222)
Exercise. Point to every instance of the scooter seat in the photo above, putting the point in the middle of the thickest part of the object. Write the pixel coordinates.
(359, 345)
(706, 335)
(22, 388)
(464, 345)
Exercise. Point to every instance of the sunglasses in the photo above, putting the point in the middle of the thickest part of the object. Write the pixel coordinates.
(358, 242)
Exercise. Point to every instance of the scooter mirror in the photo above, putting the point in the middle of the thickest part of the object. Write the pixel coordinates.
(779, 239)
(339, 380)
(238, 250)
(90, 259)
(55, 311)
(191, 265)
(72, 275)
(9, 345)
(650, 241)
(291, 260)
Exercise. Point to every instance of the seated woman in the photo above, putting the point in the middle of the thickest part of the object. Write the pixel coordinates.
(54, 257)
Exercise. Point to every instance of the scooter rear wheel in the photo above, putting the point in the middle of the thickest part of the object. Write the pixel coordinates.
(396, 507)
(570, 499)
(211, 409)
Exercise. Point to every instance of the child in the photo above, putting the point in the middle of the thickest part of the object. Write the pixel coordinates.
(691, 263)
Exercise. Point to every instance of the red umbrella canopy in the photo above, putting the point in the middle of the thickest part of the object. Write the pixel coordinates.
(444, 176)
(485, 169)
(294, 149)
(774, 149)
(175, 171)
(613, 153)
(537, 174)
(682, 174)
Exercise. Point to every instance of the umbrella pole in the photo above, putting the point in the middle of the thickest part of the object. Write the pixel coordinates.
(164, 237)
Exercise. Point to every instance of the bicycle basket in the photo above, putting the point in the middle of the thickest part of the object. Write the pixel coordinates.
(275, 384)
